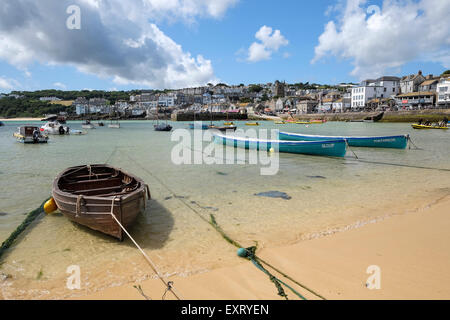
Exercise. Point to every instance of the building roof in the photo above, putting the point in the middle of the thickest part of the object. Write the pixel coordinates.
(416, 94)
(429, 82)
(388, 78)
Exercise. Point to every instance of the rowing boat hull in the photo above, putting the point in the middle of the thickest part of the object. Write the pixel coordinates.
(195, 126)
(333, 148)
(421, 126)
(94, 212)
(394, 142)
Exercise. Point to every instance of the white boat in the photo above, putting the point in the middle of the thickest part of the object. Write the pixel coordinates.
(30, 134)
(114, 125)
(78, 132)
(55, 127)
(87, 125)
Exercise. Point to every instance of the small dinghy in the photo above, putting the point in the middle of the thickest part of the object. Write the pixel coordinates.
(115, 124)
(85, 195)
(163, 127)
(30, 134)
(198, 126)
(87, 125)
(395, 142)
(332, 148)
(223, 128)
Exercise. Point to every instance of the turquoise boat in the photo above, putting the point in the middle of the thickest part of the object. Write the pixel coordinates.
(330, 148)
(396, 142)
(198, 126)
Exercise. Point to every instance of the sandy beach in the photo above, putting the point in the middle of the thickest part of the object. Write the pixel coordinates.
(412, 251)
(20, 119)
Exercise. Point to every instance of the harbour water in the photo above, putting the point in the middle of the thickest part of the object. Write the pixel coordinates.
(326, 195)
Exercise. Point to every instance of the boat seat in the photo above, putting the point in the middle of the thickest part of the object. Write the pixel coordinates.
(92, 181)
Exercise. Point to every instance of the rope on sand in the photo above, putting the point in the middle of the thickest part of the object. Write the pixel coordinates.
(258, 262)
(214, 224)
(28, 220)
(168, 285)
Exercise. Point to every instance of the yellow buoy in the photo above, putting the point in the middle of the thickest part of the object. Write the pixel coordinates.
(50, 206)
(272, 150)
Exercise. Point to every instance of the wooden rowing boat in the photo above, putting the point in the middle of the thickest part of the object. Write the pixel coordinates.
(395, 142)
(84, 194)
(332, 148)
(252, 124)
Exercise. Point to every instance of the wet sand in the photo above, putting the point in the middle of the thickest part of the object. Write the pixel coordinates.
(21, 119)
(412, 251)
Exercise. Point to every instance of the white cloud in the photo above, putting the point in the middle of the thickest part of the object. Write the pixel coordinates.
(8, 84)
(270, 42)
(116, 40)
(380, 39)
(60, 85)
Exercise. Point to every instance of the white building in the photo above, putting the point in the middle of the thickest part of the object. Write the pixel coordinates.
(411, 83)
(49, 99)
(443, 93)
(167, 100)
(381, 88)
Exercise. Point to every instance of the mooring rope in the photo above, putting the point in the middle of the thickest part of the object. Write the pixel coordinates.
(28, 220)
(214, 224)
(411, 142)
(167, 284)
(348, 147)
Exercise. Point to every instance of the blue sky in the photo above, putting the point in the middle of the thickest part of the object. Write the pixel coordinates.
(223, 38)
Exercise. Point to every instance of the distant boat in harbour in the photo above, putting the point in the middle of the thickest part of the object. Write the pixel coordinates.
(331, 148)
(396, 142)
(87, 125)
(30, 135)
(114, 124)
(163, 127)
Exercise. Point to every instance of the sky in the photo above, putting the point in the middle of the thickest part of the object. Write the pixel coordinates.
(171, 44)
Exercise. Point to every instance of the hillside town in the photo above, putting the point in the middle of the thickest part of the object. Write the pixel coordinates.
(387, 93)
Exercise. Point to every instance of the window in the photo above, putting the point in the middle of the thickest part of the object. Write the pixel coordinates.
(385, 89)
(443, 89)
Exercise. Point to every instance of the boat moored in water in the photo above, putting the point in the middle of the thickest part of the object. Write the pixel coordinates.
(163, 127)
(422, 126)
(87, 125)
(223, 128)
(85, 195)
(55, 127)
(331, 148)
(30, 135)
(114, 124)
(198, 126)
(396, 142)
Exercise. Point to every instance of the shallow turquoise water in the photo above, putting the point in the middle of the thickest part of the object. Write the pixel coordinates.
(325, 193)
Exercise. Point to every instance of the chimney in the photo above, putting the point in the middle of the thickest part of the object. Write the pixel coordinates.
(420, 72)
(429, 77)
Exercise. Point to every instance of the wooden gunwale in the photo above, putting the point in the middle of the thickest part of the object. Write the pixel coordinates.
(94, 211)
